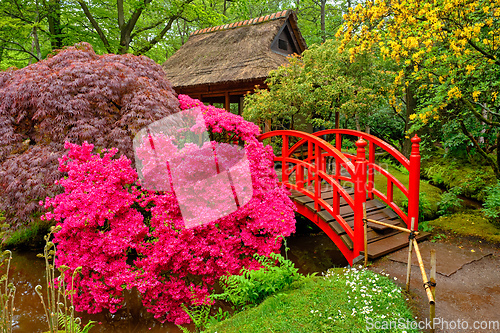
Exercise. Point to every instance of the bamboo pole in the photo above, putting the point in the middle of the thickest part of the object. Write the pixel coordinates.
(392, 226)
(422, 270)
(365, 223)
(410, 251)
(432, 306)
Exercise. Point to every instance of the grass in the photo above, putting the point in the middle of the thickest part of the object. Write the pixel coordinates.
(344, 300)
(469, 224)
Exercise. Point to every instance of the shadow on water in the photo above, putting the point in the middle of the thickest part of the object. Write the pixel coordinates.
(309, 248)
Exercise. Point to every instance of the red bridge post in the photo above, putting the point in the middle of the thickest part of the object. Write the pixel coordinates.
(359, 196)
(414, 182)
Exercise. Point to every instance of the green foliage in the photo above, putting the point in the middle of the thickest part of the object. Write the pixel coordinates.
(312, 87)
(424, 207)
(425, 226)
(73, 325)
(469, 174)
(199, 315)
(7, 293)
(450, 202)
(437, 237)
(253, 286)
(220, 315)
(390, 164)
(492, 203)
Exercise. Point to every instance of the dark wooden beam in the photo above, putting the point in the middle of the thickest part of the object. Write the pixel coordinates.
(227, 102)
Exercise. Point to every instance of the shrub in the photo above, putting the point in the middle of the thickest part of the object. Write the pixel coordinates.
(74, 95)
(126, 237)
(253, 286)
(492, 203)
(450, 202)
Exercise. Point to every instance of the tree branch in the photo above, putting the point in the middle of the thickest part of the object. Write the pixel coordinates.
(138, 31)
(135, 16)
(121, 19)
(484, 107)
(487, 157)
(22, 49)
(478, 115)
(159, 37)
(489, 56)
(95, 25)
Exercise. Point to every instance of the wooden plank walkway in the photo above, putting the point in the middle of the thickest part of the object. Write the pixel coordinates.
(382, 240)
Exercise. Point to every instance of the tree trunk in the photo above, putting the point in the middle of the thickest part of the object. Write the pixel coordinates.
(483, 131)
(411, 104)
(124, 41)
(498, 155)
(55, 28)
(358, 126)
(323, 25)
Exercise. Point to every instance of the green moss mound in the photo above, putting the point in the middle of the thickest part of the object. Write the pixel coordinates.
(471, 176)
(471, 223)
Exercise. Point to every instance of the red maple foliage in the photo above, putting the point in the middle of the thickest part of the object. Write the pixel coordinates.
(76, 96)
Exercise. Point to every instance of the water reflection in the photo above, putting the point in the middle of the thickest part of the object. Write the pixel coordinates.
(27, 270)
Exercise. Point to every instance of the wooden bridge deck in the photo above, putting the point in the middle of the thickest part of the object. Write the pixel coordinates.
(382, 240)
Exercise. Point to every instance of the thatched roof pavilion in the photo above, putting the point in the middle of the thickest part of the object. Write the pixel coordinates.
(221, 64)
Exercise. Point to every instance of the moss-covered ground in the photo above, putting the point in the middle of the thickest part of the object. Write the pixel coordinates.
(471, 175)
(430, 195)
(467, 224)
(349, 300)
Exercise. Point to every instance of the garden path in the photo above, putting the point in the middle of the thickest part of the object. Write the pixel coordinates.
(467, 283)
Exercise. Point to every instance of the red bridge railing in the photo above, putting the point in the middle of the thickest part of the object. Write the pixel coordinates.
(412, 165)
(309, 173)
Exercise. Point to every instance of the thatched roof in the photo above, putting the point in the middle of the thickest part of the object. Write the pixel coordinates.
(239, 51)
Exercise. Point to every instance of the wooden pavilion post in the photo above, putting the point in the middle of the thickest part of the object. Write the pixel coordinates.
(227, 102)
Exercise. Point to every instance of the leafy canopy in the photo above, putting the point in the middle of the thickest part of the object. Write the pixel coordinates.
(76, 96)
(316, 85)
(449, 50)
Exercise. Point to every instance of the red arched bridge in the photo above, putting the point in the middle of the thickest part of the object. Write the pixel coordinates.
(331, 187)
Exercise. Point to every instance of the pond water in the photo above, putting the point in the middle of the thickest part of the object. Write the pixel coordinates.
(309, 249)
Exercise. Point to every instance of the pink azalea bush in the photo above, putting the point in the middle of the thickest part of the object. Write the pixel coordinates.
(127, 237)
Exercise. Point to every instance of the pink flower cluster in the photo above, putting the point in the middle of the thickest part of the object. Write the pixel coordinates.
(126, 237)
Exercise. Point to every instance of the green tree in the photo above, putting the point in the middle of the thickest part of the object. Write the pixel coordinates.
(449, 53)
(318, 85)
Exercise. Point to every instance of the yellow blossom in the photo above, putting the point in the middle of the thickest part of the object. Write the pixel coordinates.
(454, 93)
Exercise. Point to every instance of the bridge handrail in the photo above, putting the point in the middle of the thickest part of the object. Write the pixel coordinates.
(330, 180)
(412, 165)
(318, 149)
(326, 146)
(370, 138)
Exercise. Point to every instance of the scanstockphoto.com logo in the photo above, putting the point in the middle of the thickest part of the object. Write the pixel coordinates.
(404, 324)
